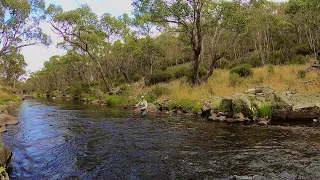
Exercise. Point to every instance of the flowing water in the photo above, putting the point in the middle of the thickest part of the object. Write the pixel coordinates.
(65, 140)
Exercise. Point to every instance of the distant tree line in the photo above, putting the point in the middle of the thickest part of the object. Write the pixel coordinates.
(163, 40)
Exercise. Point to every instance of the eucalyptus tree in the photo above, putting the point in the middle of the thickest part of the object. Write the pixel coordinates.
(19, 24)
(186, 14)
(304, 15)
(12, 67)
(195, 19)
(81, 31)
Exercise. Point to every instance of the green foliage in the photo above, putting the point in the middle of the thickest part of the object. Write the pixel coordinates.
(159, 77)
(180, 71)
(299, 59)
(243, 70)
(186, 105)
(303, 49)
(116, 100)
(270, 70)
(234, 80)
(159, 91)
(151, 97)
(155, 93)
(265, 110)
(223, 63)
(10, 98)
(301, 74)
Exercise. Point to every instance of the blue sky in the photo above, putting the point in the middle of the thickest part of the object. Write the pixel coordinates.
(35, 56)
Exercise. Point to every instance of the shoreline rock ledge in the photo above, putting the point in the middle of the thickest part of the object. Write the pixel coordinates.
(294, 106)
(283, 105)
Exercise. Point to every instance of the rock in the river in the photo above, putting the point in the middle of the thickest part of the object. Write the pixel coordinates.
(152, 108)
(288, 105)
(263, 121)
(7, 119)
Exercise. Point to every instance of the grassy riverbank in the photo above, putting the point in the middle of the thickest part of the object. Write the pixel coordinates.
(281, 78)
(221, 83)
(6, 96)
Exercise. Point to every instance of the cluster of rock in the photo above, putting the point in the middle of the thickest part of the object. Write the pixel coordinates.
(242, 107)
(5, 153)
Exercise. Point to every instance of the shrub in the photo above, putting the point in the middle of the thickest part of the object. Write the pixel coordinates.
(6, 99)
(151, 97)
(302, 74)
(234, 79)
(223, 63)
(270, 71)
(187, 105)
(158, 77)
(179, 71)
(159, 91)
(299, 59)
(116, 100)
(243, 70)
(303, 49)
(264, 110)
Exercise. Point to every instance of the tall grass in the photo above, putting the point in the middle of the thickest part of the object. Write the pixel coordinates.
(283, 78)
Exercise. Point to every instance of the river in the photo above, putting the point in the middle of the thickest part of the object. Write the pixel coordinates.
(58, 139)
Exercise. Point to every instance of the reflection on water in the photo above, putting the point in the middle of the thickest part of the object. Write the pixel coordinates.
(66, 140)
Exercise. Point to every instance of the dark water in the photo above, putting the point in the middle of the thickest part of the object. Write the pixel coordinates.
(64, 140)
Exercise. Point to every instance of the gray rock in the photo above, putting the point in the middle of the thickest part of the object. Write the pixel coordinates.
(7, 119)
(296, 106)
(238, 103)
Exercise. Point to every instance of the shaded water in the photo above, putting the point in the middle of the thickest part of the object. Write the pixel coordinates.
(65, 140)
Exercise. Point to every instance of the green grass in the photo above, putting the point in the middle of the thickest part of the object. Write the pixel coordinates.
(4, 100)
(264, 110)
(187, 105)
(119, 100)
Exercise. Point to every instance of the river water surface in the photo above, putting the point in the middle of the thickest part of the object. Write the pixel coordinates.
(66, 140)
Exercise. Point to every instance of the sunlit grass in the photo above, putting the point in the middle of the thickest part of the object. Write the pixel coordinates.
(284, 78)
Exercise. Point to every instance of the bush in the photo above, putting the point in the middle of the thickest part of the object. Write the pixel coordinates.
(151, 97)
(158, 77)
(303, 49)
(243, 70)
(234, 79)
(264, 110)
(159, 91)
(179, 71)
(270, 71)
(116, 100)
(6, 99)
(299, 59)
(302, 74)
(223, 63)
(187, 105)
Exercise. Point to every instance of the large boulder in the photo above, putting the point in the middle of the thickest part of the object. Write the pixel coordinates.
(7, 119)
(209, 106)
(237, 103)
(260, 95)
(288, 105)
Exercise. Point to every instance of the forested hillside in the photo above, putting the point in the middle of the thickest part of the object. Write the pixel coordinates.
(166, 40)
